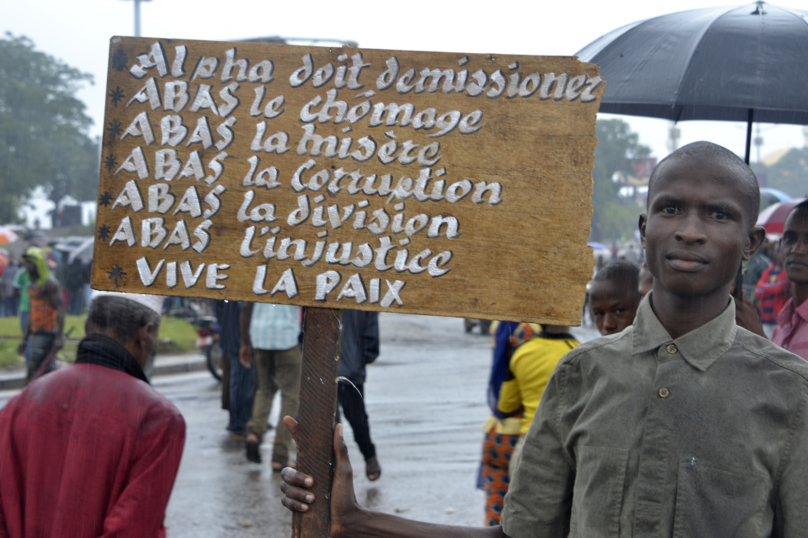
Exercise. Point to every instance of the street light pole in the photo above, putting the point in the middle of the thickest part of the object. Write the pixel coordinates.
(137, 16)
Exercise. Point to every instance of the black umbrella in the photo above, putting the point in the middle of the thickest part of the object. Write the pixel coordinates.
(743, 63)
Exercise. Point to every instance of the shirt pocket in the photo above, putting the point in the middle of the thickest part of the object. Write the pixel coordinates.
(721, 500)
(597, 496)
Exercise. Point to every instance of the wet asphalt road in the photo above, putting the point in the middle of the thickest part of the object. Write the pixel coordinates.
(425, 396)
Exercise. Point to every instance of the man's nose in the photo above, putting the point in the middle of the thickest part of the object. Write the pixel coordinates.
(609, 321)
(690, 229)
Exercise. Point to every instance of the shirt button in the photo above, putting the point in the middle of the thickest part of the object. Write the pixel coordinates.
(664, 393)
(671, 349)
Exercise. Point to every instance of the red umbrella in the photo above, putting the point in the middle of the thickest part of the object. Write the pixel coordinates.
(7, 236)
(774, 217)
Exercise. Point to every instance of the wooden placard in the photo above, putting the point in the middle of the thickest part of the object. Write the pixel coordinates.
(417, 182)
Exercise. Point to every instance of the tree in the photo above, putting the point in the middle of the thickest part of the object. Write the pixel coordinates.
(789, 174)
(614, 217)
(43, 128)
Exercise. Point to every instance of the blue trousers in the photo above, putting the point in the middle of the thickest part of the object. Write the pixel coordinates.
(242, 391)
(23, 326)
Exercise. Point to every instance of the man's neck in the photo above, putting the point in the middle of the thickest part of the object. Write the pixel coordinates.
(799, 292)
(680, 315)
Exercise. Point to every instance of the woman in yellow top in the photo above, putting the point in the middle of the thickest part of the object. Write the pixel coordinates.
(530, 369)
(501, 434)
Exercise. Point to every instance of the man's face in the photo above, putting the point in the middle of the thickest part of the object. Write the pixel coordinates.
(794, 246)
(613, 306)
(30, 267)
(695, 232)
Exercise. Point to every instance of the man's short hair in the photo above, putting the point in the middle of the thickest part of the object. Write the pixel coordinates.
(802, 206)
(122, 317)
(729, 159)
(621, 272)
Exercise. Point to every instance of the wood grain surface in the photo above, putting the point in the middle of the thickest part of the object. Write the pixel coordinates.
(317, 415)
(474, 200)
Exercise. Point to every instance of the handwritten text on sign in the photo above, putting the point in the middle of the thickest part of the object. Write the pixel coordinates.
(435, 183)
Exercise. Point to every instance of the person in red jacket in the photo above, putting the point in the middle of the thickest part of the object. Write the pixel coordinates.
(92, 450)
(772, 291)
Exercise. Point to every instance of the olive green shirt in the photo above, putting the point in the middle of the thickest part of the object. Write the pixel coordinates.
(641, 435)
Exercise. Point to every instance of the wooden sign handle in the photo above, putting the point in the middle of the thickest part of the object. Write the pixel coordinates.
(322, 328)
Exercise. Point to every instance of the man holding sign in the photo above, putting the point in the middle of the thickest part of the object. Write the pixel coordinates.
(683, 425)
(346, 179)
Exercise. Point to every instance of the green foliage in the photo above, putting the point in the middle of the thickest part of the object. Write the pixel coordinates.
(181, 334)
(789, 174)
(43, 127)
(176, 336)
(614, 217)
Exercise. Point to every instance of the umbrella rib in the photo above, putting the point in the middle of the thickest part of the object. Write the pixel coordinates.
(695, 49)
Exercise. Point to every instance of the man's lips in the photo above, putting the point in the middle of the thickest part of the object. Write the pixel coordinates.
(797, 262)
(686, 261)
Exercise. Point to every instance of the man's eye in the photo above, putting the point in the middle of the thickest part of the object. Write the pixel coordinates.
(719, 215)
(669, 210)
(619, 311)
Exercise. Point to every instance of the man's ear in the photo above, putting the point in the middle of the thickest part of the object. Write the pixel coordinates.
(641, 224)
(753, 241)
(138, 341)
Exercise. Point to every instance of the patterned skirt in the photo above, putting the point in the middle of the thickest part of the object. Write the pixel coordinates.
(497, 451)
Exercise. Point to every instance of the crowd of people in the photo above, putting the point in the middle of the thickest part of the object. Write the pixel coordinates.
(263, 357)
(684, 419)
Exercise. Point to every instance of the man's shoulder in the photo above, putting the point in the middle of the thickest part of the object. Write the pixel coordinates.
(106, 381)
(763, 349)
(614, 344)
(49, 287)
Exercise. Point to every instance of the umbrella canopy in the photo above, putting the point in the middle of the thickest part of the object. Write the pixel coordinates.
(7, 236)
(769, 196)
(773, 218)
(729, 63)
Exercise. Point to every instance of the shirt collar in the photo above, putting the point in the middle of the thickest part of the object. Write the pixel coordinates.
(700, 347)
(786, 315)
(101, 350)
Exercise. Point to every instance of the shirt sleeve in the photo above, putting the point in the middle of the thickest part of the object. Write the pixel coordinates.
(370, 337)
(539, 500)
(140, 509)
(3, 529)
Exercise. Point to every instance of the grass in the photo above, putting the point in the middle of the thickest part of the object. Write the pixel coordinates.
(176, 336)
(8, 353)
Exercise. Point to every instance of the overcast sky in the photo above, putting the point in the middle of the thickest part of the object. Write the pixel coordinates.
(78, 32)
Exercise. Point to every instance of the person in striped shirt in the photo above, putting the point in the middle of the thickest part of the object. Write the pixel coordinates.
(269, 339)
